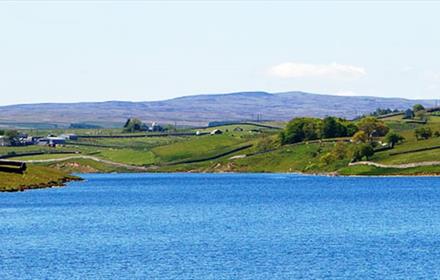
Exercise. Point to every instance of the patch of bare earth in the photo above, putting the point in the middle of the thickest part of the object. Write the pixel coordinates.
(75, 167)
(224, 167)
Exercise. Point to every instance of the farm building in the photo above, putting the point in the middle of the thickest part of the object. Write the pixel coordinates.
(216, 131)
(30, 140)
(52, 141)
(155, 128)
(69, 136)
(238, 129)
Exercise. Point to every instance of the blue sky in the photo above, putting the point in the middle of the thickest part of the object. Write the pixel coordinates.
(119, 50)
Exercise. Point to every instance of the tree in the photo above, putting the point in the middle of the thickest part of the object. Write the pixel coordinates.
(360, 137)
(363, 150)
(408, 114)
(133, 125)
(373, 127)
(421, 115)
(423, 133)
(351, 129)
(12, 136)
(301, 129)
(333, 127)
(393, 138)
(282, 137)
(418, 107)
(330, 128)
(127, 123)
(311, 131)
(381, 112)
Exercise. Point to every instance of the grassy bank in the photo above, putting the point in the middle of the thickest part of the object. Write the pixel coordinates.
(34, 178)
(376, 171)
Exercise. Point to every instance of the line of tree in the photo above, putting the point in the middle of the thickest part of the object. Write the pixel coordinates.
(368, 129)
(11, 135)
(418, 107)
(381, 112)
(304, 129)
(364, 133)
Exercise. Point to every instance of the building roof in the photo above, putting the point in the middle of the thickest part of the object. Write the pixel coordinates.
(216, 131)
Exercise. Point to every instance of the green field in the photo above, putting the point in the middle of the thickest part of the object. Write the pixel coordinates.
(145, 151)
(374, 171)
(172, 154)
(308, 157)
(129, 156)
(42, 157)
(197, 147)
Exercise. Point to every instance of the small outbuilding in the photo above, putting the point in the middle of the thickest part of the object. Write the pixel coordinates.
(216, 132)
(52, 141)
(70, 136)
(155, 128)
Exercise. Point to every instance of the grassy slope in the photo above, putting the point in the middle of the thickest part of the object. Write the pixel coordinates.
(293, 158)
(411, 143)
(34, 177)
(41, 157)
(86, 166)
(371, 170)
(134, 143)
(145, 151)
(129, 156)
(230, 128)
(198, 147)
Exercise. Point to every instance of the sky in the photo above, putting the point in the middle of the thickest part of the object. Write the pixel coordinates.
(71, 51)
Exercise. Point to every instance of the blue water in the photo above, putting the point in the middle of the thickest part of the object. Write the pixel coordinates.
(254, 226)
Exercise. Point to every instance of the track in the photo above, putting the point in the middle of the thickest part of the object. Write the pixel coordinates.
(128, 166)
(398, 166)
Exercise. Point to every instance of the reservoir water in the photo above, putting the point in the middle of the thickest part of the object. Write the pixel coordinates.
(223, 226)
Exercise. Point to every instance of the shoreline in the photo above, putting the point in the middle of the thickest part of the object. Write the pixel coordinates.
(323, 174)
(63, 182)
(57, 183)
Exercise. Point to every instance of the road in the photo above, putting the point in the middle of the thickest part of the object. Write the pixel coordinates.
(398, 166)
(128, 166)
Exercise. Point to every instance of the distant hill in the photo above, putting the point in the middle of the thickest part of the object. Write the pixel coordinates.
(201, 109)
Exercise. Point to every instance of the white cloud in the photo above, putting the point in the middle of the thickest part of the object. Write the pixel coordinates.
(303, 70)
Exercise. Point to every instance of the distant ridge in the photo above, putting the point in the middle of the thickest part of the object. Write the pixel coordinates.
(201, 109)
